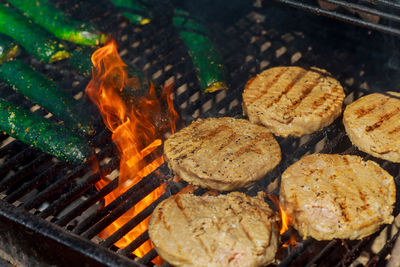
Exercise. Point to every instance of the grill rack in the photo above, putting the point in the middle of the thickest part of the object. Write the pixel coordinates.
(386, 13)
(56, 194)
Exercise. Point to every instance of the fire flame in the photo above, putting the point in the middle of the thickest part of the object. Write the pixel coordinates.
(285, 220)
(137, 131)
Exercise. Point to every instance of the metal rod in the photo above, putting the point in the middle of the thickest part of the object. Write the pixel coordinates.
(132, 223)
(13, 146)
(134, 244)
(341, 17)
(16, 160)
(322, 253)
(25, 171)
(365, 9)
(35, 182)
(87, 203)
(388, 3)
(70, 196)
(80, 170)
(115, 214)
(148, 257)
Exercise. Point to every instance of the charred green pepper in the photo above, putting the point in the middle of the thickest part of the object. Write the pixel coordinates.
(42, 134)
(8, 48)
(136, 11)
(38, 88)
(44, 13)
(206, 59)
(30, 36)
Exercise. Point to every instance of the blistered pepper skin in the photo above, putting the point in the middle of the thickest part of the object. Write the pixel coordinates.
(206, 59)
(36, 40)
(45, 14)
(38, 132)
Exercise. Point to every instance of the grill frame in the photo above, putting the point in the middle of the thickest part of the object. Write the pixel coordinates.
(187, 102)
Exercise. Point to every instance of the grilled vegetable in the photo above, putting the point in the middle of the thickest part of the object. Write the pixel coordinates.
(38, 132)
(8, 48)
(80, 60)
(32, 37)
(44, 13)
(136, 11)
(38, 88)
(206, 59)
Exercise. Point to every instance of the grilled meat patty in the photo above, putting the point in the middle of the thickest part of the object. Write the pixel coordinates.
(222, 153)
(293, 101)
(224, 230)
(373, 125)
(337, 196)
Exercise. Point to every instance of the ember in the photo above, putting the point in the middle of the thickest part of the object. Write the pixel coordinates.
(137, 130)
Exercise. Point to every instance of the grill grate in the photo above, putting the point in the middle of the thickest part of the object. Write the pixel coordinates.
(376, 15)
(61, 197)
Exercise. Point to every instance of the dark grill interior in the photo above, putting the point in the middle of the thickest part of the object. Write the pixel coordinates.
(45, 199)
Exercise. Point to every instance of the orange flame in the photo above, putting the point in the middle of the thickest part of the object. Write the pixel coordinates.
(285, 220)
(137, 131)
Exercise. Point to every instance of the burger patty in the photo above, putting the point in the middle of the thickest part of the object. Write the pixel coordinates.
(373, 125)
(224, 230)
(337, 196)
(293, 101)
(222, 153)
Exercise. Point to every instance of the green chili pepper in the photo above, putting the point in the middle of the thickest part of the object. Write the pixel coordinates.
(44, 13)
(30, 36)
(136, 11)
(38, 88)
(42, 134)
(8, 48)
(206, 59)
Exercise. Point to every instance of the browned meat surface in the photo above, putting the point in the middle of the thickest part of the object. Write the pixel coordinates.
(337, 196)
(222, 153)
(224, 230)
(293, 101)
(373, 125)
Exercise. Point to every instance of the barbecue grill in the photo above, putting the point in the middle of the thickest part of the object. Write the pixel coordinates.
(50, 211)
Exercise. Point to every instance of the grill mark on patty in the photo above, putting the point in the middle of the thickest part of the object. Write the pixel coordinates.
(247, 234)
(208, 136)
(242, 228)
(267, 86)
(320, 101)
(304, 93)
(294, 81)
(381, 120)
(177, 200)
(363, 111)
(395, 130)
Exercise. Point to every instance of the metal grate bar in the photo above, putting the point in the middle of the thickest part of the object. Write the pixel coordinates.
(127, 227)
(388, 3)
(34, 183)
(148, 257)
(70, 196)
(382, 254)
(13, 146)
(365, 9)
(295, 253)
(42, 196)
(25, 171)
(134, 244)
(132, 200)
(84, 225)
(322, 253)
(88, 203)
(342, 17)
(16, 160)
